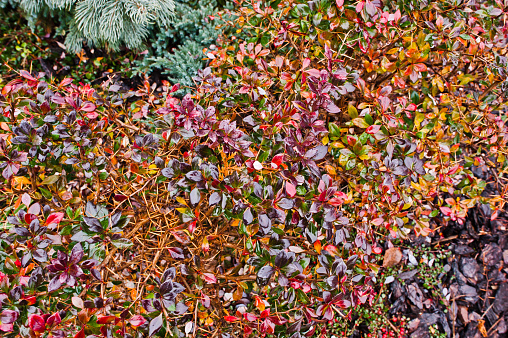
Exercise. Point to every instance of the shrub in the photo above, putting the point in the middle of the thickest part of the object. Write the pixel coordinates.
(258, 203)
(107, 23)
(178, 49)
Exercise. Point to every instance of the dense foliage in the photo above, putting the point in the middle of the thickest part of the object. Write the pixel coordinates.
(259, 202)
(177, 50)
(108, 23)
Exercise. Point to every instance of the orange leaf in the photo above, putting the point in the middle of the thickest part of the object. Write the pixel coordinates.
(317, 246)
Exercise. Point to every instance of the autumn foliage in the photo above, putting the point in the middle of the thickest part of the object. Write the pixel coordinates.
(260, 203)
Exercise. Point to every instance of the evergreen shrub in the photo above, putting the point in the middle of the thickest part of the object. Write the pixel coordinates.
(177, 50)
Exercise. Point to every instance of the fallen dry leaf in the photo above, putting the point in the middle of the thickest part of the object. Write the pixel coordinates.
(393, 256)
(481, 327)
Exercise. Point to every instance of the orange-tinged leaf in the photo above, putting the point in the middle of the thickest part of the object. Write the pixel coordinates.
(317, 246)
(259, 303)
(421, 67)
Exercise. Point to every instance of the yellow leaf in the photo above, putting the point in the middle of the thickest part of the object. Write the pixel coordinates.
(235, 222)
(181, 200)
(330, 170)
(325, 140)
(352, 111)
(182, 210)
(21, 180)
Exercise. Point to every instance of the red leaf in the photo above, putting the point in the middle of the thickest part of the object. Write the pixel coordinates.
(373, 129)
(81, 333)
(92, 115)
(55, 218)
(6, 327)
(105, 319)
(210, 278)
(54, 319)
(88, 107)
(65, 82)
(175, 88)
(231, 318)
(306, 63)
(421, 67)
(192, 227)
(446, 211)
(314, 72)
(336, 201)
(264, 313)
(277, 159)
(359, 6)
(137, 320)
(120, 198)
(250, 316)
(36, 323)
(411, 107)
(290, 189)
(27, 75)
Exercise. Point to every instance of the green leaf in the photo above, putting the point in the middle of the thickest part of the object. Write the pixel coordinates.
(369, 119)
(352, 111)
(360, 122)
(50, 179)
(300, 190)
(46, 193)
(333, 129)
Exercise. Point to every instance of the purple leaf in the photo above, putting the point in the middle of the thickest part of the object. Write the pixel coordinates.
(247, 216)
(8, 316)
(215, 198)
(54, 284)
(176, 253)
(76, 254)
(194, 176)
(286, 203)
(264, 275)
(155, 325)
(195, 197)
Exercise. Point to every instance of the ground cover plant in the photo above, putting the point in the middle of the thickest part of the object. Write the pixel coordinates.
(264, 202)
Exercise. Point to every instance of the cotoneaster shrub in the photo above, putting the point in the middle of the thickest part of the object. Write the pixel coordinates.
(331, 127)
